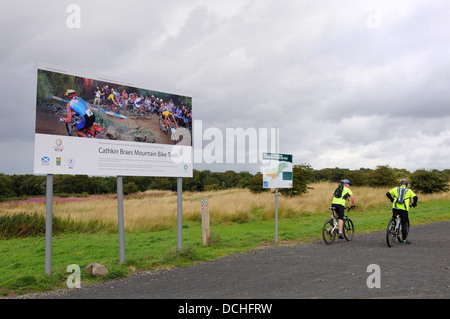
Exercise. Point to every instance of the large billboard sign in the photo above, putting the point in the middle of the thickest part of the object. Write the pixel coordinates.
(94, 125)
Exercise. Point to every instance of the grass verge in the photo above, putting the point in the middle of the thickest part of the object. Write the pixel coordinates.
(22, 262)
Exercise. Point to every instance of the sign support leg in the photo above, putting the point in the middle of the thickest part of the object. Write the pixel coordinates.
(48, 225)
(179, 213)
(276, 189)
(276, 215)
(120, 219)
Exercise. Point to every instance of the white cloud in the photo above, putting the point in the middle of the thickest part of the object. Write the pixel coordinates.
(343, 80)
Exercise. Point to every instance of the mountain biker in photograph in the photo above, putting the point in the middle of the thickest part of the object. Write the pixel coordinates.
(79, 106)
(338, 199)
(401, 198)
(166, 114)
(112, 101)
(138, 104)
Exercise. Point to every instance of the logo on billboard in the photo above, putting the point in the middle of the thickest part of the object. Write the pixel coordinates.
(45, 160)
(71, 163)
(58, 147)
(58, 161)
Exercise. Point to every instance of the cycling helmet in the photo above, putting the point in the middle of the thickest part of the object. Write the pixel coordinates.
(403, 182)
(345, 181)
(70, 93)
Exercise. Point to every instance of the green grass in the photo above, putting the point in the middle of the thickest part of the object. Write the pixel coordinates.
(22, 263)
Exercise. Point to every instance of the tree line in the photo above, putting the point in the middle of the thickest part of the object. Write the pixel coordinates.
(424, 181)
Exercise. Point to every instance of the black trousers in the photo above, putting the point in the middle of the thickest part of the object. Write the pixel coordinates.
(404, 220)
(339, 209)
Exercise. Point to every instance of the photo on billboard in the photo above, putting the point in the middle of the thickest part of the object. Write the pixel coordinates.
(122, 128)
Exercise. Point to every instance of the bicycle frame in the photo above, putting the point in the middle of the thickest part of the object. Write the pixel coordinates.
(335, 222)
(145, 111)
(394, 229)
(71, 127)
(335, 217)
(162, 125)
(397, 223)
(331, 227)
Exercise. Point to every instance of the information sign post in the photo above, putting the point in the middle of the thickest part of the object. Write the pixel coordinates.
(277, 173)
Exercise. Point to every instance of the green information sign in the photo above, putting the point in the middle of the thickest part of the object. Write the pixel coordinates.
(277, 170)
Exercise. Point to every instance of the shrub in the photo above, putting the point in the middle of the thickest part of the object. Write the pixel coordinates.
(180, 257)
(130, 188)
(381, 177)
(429, 181)
(28, 225)
(256, 184)
(22, 225)
(302, 176)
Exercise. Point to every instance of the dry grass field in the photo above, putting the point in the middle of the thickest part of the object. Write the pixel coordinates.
(157, 210)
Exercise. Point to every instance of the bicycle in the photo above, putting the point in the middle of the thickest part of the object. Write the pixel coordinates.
(119, 109)
(394, 230)
(162, 124)
(142, 111)
(331, 228)
(72, 127)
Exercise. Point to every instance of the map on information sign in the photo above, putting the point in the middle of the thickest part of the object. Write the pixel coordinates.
(277, 170)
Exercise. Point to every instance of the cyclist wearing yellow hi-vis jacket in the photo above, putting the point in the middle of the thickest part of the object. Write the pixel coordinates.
(338, 199)
(401, 198)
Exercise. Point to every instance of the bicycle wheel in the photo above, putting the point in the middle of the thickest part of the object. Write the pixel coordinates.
(328, 234)
(390, 233)
(349, 229)
(162, 125)
(70, 129)
(400, 232)
(148, 114)
(134, 113)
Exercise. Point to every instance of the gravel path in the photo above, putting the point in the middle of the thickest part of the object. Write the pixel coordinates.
(419, 270)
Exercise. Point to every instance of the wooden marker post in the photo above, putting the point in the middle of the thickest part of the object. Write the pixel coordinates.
(205, 222)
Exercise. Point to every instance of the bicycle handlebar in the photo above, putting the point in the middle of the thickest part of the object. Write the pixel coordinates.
(347, 208)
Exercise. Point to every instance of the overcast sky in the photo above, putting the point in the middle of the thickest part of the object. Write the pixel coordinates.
(349, 84)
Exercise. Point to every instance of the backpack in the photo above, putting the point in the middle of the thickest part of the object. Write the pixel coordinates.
(338, 191)
(401, 195)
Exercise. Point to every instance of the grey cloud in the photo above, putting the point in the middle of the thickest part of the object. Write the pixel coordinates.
(340, 91)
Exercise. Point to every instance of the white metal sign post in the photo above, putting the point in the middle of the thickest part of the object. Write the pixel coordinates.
(179, 213)
(276, 215)
(120, 219)
(48, 225)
